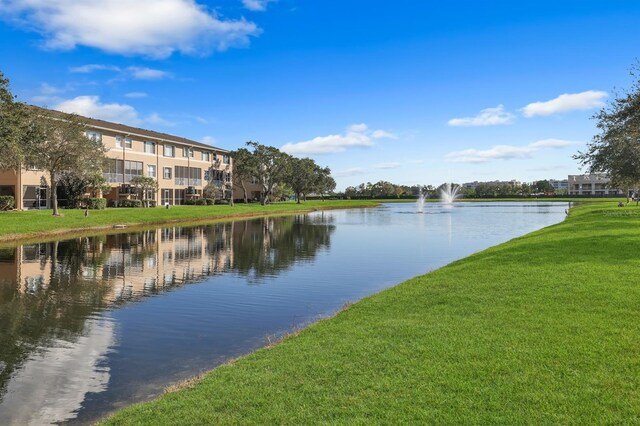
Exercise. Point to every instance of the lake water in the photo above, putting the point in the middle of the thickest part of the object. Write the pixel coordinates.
(93, 324)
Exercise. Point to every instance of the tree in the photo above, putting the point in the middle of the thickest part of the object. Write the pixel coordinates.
(243, 169)
(73, 186)
(57, 144)
(543, 186)
(144, 185)
(270, 167)
(302, 176)
(13, 121)
(324, 182)
(616, 149)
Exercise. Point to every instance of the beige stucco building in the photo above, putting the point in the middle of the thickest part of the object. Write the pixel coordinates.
(182, 167)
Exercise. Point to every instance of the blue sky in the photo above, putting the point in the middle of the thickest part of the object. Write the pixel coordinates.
(405, 91)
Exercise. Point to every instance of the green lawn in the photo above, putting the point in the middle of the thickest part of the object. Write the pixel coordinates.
(41, 223)
(544, 329)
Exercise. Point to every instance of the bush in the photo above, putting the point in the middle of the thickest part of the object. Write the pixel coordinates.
(209, 201)
(7, 202)
(189, 202)
(130, 203)
(222, 202)
(201, 202)
(95, 203)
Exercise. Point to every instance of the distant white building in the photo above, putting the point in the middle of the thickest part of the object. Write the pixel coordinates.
(594, 184)
(559, 185)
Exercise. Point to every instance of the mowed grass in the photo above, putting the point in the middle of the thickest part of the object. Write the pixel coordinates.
(35, 223)
(544, 329)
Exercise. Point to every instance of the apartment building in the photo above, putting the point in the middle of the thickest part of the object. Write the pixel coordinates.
(559, 185)
(182, 167)
(593, 184)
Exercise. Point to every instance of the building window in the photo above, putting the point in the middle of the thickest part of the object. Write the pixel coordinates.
(167, 172)
(133, 168)
(207, 175)
(151, 170)
(226, 159)
(94, 136)
(119, 141)
(128, 143)
(187, 152)
(149, 147)
(169, 151)
(206, 156)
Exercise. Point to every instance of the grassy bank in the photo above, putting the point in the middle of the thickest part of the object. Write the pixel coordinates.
(542, 329)
(22, 225)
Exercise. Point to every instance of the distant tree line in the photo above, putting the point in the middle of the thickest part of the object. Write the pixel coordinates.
(278, 174)
(387, 190)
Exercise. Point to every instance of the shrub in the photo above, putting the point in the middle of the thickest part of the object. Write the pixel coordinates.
(189, 202)
(222, 202)
(209, 201)
(201, 202)
(95, 203)
(130, 203)
(7, 202)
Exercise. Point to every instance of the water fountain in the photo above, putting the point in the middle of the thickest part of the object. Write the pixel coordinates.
(449, 193)
(420, 202)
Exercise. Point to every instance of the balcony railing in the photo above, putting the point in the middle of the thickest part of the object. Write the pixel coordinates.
(188, 182)
(118, 177)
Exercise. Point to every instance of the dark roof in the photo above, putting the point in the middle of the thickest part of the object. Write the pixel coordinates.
(123, 128)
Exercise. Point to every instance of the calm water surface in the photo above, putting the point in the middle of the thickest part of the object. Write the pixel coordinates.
(93, 324)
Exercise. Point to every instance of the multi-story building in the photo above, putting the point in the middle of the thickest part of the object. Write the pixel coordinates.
(593, 184)
(182, 167)
(559, 185)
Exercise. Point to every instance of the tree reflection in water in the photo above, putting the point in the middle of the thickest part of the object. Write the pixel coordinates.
(48, 291)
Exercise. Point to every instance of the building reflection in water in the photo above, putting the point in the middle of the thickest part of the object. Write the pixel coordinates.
(55, 298)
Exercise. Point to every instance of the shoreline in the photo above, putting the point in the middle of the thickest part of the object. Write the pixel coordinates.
(117, 227)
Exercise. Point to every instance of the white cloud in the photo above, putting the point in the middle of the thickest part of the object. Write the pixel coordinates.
(135, 95)
(552, 143)
(356, 135)
(47, 89)
(389, 165)
(353, 171)
(257, 5)
(209, 140)
(506, 152)
(88, 68)
(135, 72)
(91, 106)
(154, 118)
(382, 134)
(566, 102)
(486, 117)
(154, 28)
(144, 73)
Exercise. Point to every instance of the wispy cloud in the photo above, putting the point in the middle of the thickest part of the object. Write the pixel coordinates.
(89, 68)
(565, 103)
(356, 135)
(389, 165)
(135, 95)
(133, 72)
(257, 5)
(91, 106)
(152, 28)
(209, 140)
(487, 117)
(353, 171)
(506, 152)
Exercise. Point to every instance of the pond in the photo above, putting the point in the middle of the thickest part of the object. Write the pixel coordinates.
(92, 324)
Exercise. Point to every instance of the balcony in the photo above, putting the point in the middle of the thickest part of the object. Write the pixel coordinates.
(118, 177)
(188, 182)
